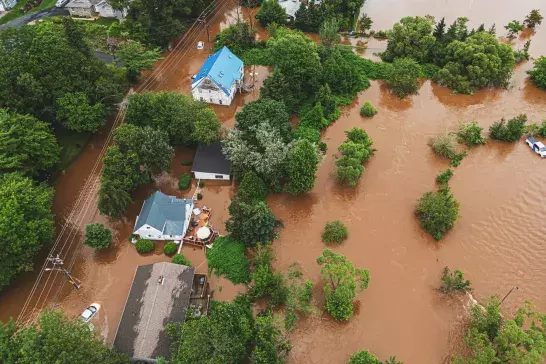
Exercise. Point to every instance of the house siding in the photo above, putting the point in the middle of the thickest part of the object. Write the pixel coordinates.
(106, 11)
(206, 176)
(82, 12)
(216, 96)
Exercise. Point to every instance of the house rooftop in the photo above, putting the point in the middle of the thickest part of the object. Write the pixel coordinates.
(167, 214)
(160, 294)
(82, 3)
(210, 159)
(222, 68)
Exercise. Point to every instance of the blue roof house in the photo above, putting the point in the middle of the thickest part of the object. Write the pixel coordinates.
(163, 217)
(219, 78)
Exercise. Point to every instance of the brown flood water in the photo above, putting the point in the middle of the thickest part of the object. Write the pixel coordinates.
(497, 242)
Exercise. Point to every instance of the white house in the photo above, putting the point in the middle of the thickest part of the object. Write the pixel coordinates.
(106, 10)
(210, 163)
(82, 8)
(219, 78)
(290, 7)
(163, 217)
(7, 4)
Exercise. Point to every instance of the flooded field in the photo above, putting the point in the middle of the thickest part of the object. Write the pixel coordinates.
(498, 241)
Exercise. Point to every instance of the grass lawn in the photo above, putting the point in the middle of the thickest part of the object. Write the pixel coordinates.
(72, 144)
(17, 10)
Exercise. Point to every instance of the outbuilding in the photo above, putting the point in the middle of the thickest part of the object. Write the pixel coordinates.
(210, 163)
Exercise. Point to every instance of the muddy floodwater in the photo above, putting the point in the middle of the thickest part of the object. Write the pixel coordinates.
(498, 241)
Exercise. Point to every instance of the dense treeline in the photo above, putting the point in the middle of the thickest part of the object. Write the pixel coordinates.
(310, 16)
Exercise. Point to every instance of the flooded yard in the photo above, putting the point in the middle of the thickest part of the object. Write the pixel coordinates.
(498, 241)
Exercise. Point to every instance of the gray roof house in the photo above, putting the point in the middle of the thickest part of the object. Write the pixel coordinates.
(163, 217)
(82, 8)
(160, 294)
(210, 162)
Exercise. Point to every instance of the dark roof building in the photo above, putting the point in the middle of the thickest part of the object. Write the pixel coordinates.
(210, 162)
(160, 294)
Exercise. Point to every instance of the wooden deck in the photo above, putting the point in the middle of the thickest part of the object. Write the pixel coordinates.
(197, 222)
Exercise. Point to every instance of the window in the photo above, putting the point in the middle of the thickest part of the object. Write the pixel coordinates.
(210, 99)
(147, 227)
(219, 176)
(220, 101)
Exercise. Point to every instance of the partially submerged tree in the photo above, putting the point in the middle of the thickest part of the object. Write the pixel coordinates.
(272, 346)
(454, 282)
(538, 73)
(252, 188)
(303, 161)
(355, 151)
(514, 27)
(97, 236)
(508, 131)
(365, 23)
(403, 77)
(341, 282)
(470, 134)
(437, 212)
(250, 223)
(410, 38)
(533, 19)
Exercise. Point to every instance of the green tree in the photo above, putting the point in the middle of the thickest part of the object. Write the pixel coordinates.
(97, 236)
(329, 33)
(470, 134)
(411, 38)
(403, 77)
(227, 258)
(237, 37)
(538, 73)
(514, 27)
(356, 150)
(76, 112)
(223, 336)
(250, 223)
(341, 282)
(271, 12)
(444, 177)
(54, 338)
(27, 145)
(113, 200)
(136, 57)
(144, 246)
(368, 109)
(252, 188)
(328, 102)
(26, 223)
(314, 118)
(271, 346)
(533, 19)
(363, 357)
(303, 162)
(342, 76)
(272, 112)
(335, 232)
(365, 23)
(478, 62)
(277, 87)
(454, 282)
(443, 145)
(510, 131)
(437, 212)
(181, 259)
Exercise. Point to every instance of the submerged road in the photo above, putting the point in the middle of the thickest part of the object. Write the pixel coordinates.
(42, 14)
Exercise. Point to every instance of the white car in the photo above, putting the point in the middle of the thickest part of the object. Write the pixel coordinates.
(90, 312)
(537, 146)
(61, 3)
(200, 45)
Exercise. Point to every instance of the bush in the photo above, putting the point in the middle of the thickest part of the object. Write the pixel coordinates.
(457, 158)
(355, 151)
(381, 34)
(268, 284)
(144, 246)
(199, 196)
(470, 134)
(444, 177)
(97, 236)
(252, 188)
(201, 184)
(323, 147)
(187, 163)
(227, 258)
(443, 145)
(170, 248)
(181, 259)
(454, 282)
(184, 181)
(306, 132)
(508, 131)
(363, 357)
(368, 109)
(271, 12)
(334, 232)
(437, 212)
(403, 77)
(538, 73)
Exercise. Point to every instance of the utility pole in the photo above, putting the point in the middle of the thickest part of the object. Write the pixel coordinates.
(508, 294)
(202, 20)
(58, 266)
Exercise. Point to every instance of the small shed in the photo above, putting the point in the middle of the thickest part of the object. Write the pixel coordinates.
(160, 294)
(211, 163)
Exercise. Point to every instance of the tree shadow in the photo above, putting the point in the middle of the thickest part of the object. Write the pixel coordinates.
(460, 101)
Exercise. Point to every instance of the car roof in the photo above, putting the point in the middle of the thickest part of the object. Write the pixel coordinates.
(532, 140)
(540, 145)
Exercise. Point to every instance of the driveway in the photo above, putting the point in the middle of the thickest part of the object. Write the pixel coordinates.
(16, 23)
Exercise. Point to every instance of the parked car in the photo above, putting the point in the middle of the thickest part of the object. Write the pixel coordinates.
(90, 312)
(537, 146)
(200, 45)
(61, 3)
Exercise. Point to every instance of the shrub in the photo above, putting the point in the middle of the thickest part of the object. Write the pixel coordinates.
(437, 212)
(201, 184)
(334, 232)
(252, 188)
(363, 357)
(538, 73)
(144, 246)
(268, 284)
(368, 109)
(508, 131)
(532, 129)
(181, 259)
(187, 163)
(443, 145)
(355, 151)
(403, 77)
(199, 196)
(184, 181)
(170, 248)
(97, 236)
(454, 282)
(381, 34)
(470, 134)
(227, 258)
(306, 132)
(457, 158)
(445, 176)
(323, 147)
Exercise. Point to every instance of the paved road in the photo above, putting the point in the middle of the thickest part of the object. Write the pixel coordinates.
(16, 23)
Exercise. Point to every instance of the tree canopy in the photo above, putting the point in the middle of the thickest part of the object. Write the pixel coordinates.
(136, 57)
(97, 236)
(237, 37)
(403, 77)
(250, 223)
(538, 73)
(303, 161)
(54, 338)
(26, 223)
(410, 38)
(271, 12)
(27, 145)
(437, 212)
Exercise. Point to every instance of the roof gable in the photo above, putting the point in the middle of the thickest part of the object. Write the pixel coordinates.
(223, 68)
(167, 214)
